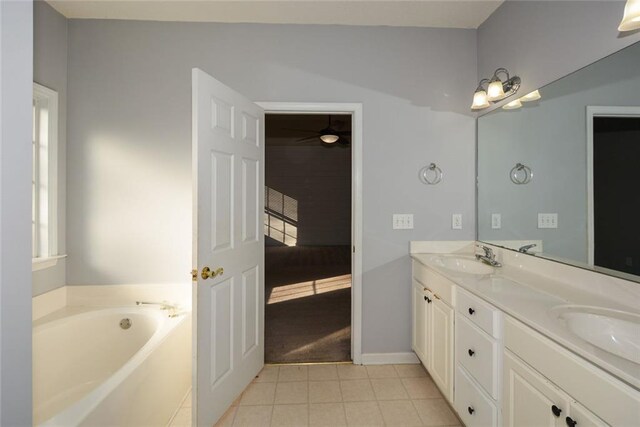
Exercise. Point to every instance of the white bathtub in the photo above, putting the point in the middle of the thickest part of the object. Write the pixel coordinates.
(88, 371)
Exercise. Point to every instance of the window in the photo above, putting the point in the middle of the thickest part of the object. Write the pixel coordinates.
(281, 217)
(44, 218)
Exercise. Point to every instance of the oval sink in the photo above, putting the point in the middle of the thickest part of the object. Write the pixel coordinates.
(614, 331)
(465, 265)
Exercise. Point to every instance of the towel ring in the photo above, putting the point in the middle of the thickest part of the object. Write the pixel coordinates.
(431, 174)
(520, 174)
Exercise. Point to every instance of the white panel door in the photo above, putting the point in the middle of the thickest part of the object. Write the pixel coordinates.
(228, 246)
(441, 335)
(419, 317)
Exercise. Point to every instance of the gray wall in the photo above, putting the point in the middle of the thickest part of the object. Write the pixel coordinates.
(16, 65)
(551, 138)
(542, 41)
(50, 70)
(129, 141)
(319, 179)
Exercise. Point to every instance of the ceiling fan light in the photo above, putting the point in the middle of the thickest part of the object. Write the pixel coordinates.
(479, 100)
(513, 105)
(329, 138)
(495, 92)
(533, 96)
(631, 18)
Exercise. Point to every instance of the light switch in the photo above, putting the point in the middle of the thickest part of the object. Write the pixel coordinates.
(496, 221)
(402, 221)
(456, 221)
(547, 220)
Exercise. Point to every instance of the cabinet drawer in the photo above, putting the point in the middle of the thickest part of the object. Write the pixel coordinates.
(474, 407)
(478, 353)
(484, 315)
(439, 286)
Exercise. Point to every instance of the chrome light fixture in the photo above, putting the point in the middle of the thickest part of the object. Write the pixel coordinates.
(497, 89)
(631, 18)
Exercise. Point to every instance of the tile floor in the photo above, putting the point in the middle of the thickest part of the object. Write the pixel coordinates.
(337, 395)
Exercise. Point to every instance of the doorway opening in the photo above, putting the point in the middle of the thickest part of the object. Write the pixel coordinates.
(308, 237)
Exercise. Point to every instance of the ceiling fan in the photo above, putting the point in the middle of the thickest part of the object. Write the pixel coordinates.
(328, 135)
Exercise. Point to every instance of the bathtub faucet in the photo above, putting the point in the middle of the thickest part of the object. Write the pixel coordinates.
(172, 309)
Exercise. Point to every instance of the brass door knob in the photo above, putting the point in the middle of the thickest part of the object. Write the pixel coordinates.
(207, 273)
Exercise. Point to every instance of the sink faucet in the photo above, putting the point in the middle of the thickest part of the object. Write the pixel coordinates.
(525, 249)
(489, 257)
(170, 308)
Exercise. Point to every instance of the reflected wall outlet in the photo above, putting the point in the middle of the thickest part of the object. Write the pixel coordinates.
(402, 221)
(547, 220)
(456, 221)
(496, 221)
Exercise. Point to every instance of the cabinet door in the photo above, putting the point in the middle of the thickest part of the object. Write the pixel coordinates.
(441, 335)
(584, 417)
(529, 399)
(419, 321)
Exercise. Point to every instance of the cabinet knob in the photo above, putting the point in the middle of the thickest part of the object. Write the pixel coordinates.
(471, 410)
(571, 422)
(556, 411)
(425, 298)
(471, 353)
(471, 311)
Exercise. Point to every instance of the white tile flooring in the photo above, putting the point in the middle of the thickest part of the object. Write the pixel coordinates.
(336, 395)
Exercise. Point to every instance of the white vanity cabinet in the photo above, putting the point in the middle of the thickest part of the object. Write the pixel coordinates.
(433, 319)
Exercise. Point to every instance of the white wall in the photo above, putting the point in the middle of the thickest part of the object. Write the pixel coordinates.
(542, 41)
(129, 140)
(16, 64)
(50, 70)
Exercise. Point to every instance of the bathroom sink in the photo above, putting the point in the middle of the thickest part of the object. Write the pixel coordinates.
(614, 331)
(465, 265)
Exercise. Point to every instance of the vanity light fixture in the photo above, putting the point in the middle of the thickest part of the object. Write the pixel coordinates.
(631, 18)
(532, 96)
(497, 89)
(513, 105)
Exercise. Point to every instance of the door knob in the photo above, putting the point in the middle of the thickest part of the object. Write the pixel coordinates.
(207, 273)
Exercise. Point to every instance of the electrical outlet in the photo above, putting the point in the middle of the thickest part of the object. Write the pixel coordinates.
(456, 221)
(496, 221)
(402, 221)
(547, 220)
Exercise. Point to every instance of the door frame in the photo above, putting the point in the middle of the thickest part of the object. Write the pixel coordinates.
(355, 109)
(592, 112)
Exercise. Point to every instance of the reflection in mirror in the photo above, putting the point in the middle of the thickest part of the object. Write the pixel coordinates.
(581, 144)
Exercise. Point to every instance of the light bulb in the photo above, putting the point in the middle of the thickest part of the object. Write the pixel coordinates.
(329, 139)
(513, 105)
(495, 92)
(631, 18)
(480, 100)
(533, 96)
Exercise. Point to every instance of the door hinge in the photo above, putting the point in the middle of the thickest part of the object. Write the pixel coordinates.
(194, 275)
(354, 249)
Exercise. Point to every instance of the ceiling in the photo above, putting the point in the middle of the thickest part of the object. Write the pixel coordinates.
(399, 13)
(279, 128)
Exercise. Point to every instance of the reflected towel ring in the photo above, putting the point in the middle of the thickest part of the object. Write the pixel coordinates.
(431, 174)
(520, 174)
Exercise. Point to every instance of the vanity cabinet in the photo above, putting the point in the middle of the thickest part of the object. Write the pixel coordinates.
(433, 320)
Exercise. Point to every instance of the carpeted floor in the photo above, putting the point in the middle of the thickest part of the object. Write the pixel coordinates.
(308, 312)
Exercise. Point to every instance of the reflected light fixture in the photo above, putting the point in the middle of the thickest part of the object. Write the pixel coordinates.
(329, 138)
(631, 18)
(480, 100)
(531, 96)
(513, 105)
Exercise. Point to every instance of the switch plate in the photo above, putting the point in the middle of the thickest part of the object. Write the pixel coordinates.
(456, 221)
(496, 221)
(547, 220)
(402, 221)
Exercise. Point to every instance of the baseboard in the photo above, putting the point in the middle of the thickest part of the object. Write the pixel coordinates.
(389, 358)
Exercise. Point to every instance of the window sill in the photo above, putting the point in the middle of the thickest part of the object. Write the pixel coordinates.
(38, 264)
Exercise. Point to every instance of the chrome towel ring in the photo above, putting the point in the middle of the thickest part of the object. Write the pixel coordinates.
(431, 174)
(520, 174)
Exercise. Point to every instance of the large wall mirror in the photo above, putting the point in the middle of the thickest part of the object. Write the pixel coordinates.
(563, 172)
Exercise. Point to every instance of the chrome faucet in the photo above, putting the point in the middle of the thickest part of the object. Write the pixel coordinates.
(172, 309)
(489, 257)
(525, 249)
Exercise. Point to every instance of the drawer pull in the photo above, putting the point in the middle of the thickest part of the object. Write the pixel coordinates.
(471, 311)
(471, 411)
(471, 353)
(556, 411)
(571, 422)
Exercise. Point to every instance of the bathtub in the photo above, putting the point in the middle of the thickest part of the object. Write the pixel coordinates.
(89, 371)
